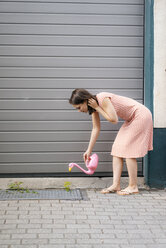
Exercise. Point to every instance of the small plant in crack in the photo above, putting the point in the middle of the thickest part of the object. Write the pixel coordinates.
(16, 186)
(67, 186)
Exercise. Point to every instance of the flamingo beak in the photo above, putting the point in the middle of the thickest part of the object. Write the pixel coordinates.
(70, 169)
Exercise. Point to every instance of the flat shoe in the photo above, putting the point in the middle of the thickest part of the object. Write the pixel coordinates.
(126, 192)
(107, 191)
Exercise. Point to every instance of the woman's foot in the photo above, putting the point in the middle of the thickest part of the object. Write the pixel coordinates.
(128, 191)
(111, 189)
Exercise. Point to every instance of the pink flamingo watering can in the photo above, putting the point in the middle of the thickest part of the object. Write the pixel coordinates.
(91, 165)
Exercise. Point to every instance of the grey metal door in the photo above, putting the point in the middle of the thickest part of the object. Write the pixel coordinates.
(47, 49)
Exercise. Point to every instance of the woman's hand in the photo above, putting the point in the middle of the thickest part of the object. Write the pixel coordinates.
(86, 156)
(92, 103)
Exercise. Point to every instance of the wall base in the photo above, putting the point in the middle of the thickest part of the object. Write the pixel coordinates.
(82, 183)
(157, 160)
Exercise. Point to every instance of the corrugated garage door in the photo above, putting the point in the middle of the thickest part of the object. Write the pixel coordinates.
(47, 49)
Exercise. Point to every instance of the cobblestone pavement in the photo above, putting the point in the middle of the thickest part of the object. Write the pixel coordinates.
(105, 221)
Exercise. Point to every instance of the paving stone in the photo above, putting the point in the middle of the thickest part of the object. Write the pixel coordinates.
(134, 246)
(8, 226)
(160, 241)
(22, 221)
(13, 231)
(24, 236)
(106, 246)
(10, 242)
(90, 241)
(4, 236)
(78, 226)
(80, 246)
(141, 241)
(102, 236)
(23, 246)
(76, 236)
(62, 241)
(34, 241)
(115, 231)
(41, 230)
(40, 221)
(156, 246)
(76, 217)
(52, 246)
(53, 225)
(90, 231)
(27, 226)
(64, 230)
(61, 221)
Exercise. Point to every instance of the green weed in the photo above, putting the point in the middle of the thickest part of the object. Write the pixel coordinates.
(16, 187)
(67, 186)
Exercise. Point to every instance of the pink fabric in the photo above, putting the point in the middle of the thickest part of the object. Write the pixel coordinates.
(135, 137)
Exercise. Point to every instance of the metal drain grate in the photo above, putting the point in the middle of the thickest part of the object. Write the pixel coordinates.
(58, 194)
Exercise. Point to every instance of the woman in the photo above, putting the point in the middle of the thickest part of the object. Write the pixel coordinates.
(133, 140)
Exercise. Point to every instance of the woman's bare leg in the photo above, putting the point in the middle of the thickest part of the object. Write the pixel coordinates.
(132, 171)
(117, 171)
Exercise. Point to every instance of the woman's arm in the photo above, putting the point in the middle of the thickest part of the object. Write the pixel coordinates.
(94, 134)
(107, 110)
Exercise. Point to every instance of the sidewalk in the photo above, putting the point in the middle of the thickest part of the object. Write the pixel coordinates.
(103, 221)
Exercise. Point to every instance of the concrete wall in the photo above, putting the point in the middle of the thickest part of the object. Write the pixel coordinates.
(157, 158)
(159, 64)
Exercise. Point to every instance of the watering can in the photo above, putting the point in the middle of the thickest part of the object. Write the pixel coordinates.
(91, 165)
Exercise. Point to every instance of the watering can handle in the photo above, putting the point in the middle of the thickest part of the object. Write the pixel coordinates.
(88, 161)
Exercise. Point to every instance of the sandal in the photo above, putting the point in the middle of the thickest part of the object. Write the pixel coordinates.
(126, 192)
(107, 191)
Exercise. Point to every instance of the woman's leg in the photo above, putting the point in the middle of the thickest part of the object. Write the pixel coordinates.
(132, 171)
(117, 171)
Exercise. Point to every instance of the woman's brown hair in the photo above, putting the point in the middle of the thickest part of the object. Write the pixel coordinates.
(79, 96)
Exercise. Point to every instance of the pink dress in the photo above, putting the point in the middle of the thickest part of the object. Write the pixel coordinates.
(135, 137)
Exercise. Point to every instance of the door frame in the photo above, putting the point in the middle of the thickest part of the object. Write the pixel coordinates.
(148, 68)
